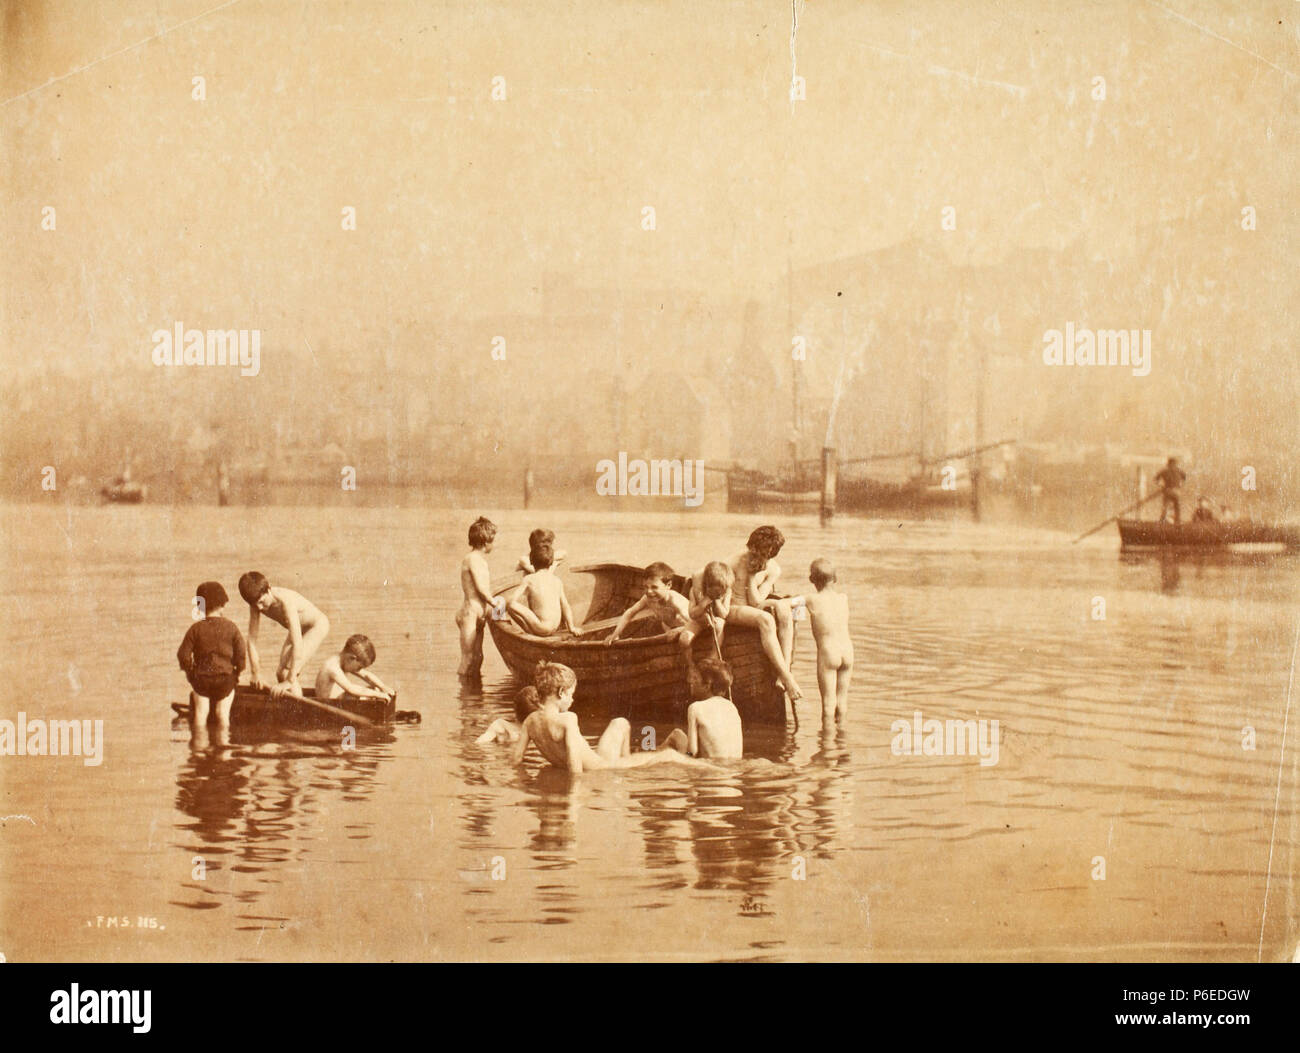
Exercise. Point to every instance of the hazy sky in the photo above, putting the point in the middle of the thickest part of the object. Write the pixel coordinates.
(226, 212)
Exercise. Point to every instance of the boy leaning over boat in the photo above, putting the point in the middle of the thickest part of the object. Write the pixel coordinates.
(306, 626)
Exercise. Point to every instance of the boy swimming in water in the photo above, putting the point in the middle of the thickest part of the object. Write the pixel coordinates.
(539, 605)
(306, 626)
(212, 655)
(828, 611)
(345, 673)
(712, 607)
(713, 727)
(553, 729)
(476, 585)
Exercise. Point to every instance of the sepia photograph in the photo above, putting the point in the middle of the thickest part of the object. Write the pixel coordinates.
(646, 481)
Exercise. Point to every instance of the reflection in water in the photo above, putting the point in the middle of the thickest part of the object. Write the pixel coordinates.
(257, 807)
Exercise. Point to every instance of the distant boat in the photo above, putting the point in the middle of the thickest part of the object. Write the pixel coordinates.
(636, 670)
(123, 492)
(1155, 533)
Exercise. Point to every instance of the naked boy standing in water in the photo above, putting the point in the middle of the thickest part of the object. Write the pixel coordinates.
(306, 625)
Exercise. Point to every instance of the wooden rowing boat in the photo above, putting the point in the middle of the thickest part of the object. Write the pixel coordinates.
(255, 709)
(1155, 533)
(645, 668)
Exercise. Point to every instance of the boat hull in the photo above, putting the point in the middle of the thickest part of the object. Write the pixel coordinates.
(253, 709)
(636, 672)
(1153, 533)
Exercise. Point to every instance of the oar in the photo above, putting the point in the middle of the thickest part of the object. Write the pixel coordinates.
(1124, 512)
(717, 646)
(351, 718)
(325, 707)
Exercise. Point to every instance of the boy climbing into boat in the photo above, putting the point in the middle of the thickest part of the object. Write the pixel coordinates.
(345, 673)
(712, 608)
(554, 730)
(212, 656)
(307, 628)
(756, 572)
(828, 611)
(662, 602)
(539, 605)
(476, 585)
(713, 727)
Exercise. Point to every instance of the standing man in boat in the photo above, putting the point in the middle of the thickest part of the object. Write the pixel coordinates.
(1171, 479)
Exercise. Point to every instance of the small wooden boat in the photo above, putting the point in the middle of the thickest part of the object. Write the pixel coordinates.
(254, 708)
(123, 493)
(1155, 533)
(645, 668)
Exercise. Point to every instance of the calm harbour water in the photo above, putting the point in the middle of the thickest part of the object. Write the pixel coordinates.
(1120, 738)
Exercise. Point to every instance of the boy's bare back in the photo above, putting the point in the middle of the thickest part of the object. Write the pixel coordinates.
(828, 613)
(713, 729)
(285, 599)
(474, 579)
(542, 593)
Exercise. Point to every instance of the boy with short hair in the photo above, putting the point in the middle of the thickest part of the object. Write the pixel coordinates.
(304, 622)
(336, 676)
(828, 612)
(539, 605)
(713, 727)
(661, 601)
(476, 585)
(212, 655)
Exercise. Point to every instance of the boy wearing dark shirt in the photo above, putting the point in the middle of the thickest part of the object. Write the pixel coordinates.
(213, 655)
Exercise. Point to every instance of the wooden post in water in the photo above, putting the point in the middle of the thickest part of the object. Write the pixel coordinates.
(528, 486)
(1141, 484)
(828, 484)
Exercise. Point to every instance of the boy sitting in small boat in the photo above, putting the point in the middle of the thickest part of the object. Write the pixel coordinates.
(662, 602)
(554, 730)
(756, 572)
(712, 607)
(713, 727)
(828, 611)
(476, 585)
(307, 628)
(345, 673)
(539, 605)
(212, 655)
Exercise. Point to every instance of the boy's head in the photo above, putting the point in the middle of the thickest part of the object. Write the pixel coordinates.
(658, 580)
(821, 573)
(539, 535)
(713, 678)
(555, 681)
(212, 595)
(541, 555)
(358, 653)
(481, 532)
(253, 586)
(717, 580)
(763, 544)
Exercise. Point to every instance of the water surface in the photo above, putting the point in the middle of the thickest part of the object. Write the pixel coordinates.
(1121, 739)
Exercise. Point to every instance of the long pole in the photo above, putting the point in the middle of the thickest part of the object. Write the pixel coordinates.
(1106, 522)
